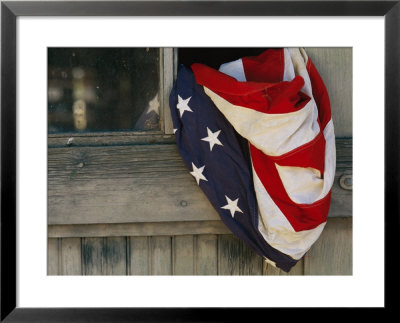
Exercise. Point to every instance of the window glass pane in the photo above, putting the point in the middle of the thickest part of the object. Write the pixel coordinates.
(103, 89)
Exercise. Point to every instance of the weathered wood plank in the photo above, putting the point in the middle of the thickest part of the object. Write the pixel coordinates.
(236, 258)
(120, 138)
(168, 77)
(342, 197)
(53, 256)
(270, 270)
(228, 255)
(161, 256)
(297, 270)
(335, 68)
(88, 185)
(183, 255)
(206, 254)
(250, 262)
(199, 255)
(139, 253)
(104, 256)
(115, 256)
(138, 229)
(71, 256)
(122, 184)
(332, 253)
(92, 255)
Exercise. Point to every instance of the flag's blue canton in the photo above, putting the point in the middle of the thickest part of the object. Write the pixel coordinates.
(218, 159)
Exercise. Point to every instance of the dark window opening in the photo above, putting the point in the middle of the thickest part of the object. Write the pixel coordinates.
(103, 89)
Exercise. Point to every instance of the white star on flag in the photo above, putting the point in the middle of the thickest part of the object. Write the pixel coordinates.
(212, 138)
(198, 174)
(232, 206)
(154, 105)
(183, 106)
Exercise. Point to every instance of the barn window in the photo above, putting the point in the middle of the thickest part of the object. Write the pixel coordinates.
(121, 201)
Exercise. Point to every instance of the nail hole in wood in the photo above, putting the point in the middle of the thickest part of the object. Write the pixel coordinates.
(346, 182)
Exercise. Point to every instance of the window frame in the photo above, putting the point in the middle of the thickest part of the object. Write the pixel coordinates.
(168, 71)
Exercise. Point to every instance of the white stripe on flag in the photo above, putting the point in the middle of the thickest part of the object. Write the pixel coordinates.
(276, 134)
(288, 71)
(276, 229)
(303, 185)
(273, 134)
(300, 68)
(234, 69)
(330, 158)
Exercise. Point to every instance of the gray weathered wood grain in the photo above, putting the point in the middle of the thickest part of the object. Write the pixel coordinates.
(53, 256)
(168, 77)
(270, 270)
(236, 258)
(161, 255)
(228, 255)
(332, 252)
(335, 66)
(105, 256)
(92, 255)
(297, 270)
(197, 255)
(71, 256)
(183, 255)
(119, 138)
(342, 199)
(139, 255)
(124, 184)
(138, 229)
(250, 262)
(115, 253)
(206, 253)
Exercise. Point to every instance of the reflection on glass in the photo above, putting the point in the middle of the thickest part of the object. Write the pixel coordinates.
(103, 89)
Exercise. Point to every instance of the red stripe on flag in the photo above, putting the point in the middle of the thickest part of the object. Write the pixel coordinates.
(311, 154)
(273, 98)
(266, 67)
(220, 82)
(301, 216)
(320, 94)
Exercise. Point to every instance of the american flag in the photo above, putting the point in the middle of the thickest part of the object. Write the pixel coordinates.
(258, 138)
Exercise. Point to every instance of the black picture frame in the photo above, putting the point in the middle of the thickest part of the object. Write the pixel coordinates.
(10, 10)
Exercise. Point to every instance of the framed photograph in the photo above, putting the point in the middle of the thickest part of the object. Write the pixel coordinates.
(107, 213)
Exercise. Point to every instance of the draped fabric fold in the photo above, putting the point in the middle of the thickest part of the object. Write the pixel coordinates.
(258, 138)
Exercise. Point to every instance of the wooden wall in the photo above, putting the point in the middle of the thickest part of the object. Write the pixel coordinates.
(336, 68)
(123, 184)
(204, 254)
(128, 209)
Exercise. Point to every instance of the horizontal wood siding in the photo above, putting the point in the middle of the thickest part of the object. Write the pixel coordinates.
(134, 184)
(137, 229)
